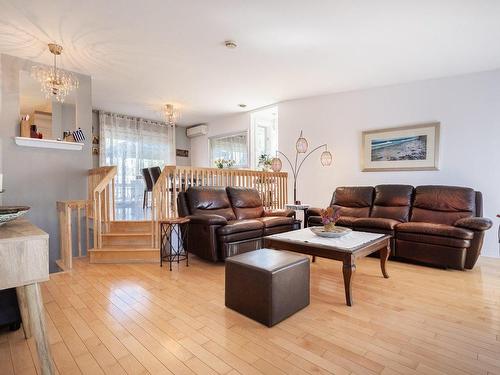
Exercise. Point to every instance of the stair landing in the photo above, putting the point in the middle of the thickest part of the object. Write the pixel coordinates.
(127, 242)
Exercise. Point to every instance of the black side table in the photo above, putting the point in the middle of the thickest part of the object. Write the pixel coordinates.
(173, 234)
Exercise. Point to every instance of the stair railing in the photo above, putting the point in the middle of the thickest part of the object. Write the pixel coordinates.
(272, 187)
(101, 184)
(65, 210)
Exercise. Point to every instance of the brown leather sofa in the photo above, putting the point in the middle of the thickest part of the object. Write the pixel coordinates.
(438, 225)
(229, 221)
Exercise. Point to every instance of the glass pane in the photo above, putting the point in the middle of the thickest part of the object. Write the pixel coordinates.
(265, 134)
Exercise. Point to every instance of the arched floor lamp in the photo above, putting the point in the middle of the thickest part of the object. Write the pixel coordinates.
(301, 147)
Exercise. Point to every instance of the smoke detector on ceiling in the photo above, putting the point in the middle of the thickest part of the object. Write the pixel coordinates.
(231, 44)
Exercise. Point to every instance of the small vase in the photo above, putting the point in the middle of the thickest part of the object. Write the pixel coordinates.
(330, 227)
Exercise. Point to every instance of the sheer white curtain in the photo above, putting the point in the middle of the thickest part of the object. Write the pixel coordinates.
(131, 144)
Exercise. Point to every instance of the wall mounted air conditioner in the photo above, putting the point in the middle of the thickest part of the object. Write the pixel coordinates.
(197, 130)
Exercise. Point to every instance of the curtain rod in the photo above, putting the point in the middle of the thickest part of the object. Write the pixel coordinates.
(161, 123)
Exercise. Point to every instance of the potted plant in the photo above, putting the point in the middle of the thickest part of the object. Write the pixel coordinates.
(264, 162)
(223, 163)
(329, 217)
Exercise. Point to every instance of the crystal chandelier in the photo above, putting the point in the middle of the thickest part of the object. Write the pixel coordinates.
(171, 114)
(55, 82)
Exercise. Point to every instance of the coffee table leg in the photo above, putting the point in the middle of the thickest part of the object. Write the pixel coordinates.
(384, 255)
(348, 269)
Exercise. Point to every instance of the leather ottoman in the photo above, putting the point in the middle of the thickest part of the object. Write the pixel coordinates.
(267, 285)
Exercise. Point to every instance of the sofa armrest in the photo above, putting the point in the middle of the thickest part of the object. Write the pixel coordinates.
(474, 223)
(208, 219)
(314, 211)
(287, 213)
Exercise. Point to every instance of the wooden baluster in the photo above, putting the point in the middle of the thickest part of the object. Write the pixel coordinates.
(113, 212)
(68, 256)
(99, 224)
(79, 229)
(94, 216)
(87, 232)
(105, 202)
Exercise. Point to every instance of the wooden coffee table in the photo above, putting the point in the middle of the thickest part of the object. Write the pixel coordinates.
(346, 249)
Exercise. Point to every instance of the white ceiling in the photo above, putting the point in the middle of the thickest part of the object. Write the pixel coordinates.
(142, 54)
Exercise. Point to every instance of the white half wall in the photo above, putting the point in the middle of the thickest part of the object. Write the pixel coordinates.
(468, 108)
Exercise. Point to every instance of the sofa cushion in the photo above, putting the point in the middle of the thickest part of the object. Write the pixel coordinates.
(375, 222)
(443, 204)
(274, 221)
(209, 200)
(353, 201)
(238, 226)
(435, 240)
(392, 202)
(224, 240)
(343, 221)
(246, 202)
(346, 221)
(314, 220)
(435, 230)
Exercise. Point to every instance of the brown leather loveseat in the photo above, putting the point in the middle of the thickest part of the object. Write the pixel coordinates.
(228, 221)
(439, 225)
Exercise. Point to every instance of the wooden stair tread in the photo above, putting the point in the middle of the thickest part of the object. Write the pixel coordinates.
(127, 234)
(130, 221)
(121, 248)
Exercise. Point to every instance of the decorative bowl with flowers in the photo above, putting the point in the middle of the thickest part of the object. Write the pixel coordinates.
(329, 217)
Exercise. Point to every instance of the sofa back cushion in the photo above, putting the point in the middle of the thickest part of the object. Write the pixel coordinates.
(443, 204)
(182, 204)
(392, 202)
(246, 202)
(209, 200)
(353, 201)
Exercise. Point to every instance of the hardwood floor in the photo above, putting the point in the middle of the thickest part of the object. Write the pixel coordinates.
(138, 319)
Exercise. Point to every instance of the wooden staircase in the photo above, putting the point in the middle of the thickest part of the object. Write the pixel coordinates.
(126, 242)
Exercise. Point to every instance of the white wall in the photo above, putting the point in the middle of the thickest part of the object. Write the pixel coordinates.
(468, 108)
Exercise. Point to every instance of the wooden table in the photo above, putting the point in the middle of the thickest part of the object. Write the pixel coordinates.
(24, 262)
(346, 256)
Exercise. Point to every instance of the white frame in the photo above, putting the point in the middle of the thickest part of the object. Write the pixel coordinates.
(431, 163)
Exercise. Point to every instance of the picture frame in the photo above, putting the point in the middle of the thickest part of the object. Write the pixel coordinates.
(182, 153)
(404, 148)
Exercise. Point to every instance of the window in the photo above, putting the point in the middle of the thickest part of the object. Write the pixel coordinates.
(132, 144)
(231, 147)
(264, 134)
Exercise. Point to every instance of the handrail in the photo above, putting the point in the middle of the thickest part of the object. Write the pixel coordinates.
(110, 175)
(102, 193)
(272, 187)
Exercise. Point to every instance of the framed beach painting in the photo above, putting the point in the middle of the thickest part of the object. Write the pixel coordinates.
(406, 148)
